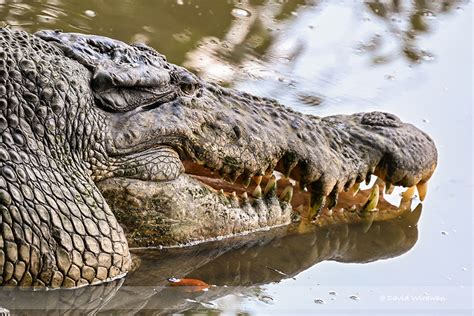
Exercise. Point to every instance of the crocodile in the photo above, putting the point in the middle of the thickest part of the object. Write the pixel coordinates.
(106, 146)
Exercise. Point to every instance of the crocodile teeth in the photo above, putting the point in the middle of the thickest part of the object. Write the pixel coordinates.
(373, 200)
(367, 178)
(422, 188)
(246, 181)
(287, 194)
(257, 193)
(355, 189)
(271, 185)
(389, 188)
(408, 194)
(234, 200)
(317, 204)
(290, 168)
(257, 179)
(332, 198)
(245, 196)
(380, 183)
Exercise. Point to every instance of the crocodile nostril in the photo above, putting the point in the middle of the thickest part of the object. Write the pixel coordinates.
(380, 119)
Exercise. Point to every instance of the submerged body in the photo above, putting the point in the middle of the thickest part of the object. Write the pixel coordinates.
(96, 132)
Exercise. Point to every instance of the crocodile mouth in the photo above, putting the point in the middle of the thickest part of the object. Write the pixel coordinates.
(353, 204)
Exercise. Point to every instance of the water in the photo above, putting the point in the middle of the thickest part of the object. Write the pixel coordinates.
(410, 58)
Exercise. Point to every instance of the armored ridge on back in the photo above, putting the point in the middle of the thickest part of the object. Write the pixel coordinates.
(88, 122)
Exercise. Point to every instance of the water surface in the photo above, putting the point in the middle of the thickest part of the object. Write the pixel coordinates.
(412, 58)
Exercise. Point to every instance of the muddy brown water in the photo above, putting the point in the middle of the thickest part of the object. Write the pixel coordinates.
(412, 58)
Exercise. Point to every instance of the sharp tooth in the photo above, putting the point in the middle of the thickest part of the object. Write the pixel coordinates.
(389, 188)
(340, 210)
(246, 181)
(317, 204)
(355, 189)
(290, 168)
(221, 191)
(349, 184)
(332, 198)
(234, 200)
(408, 194)
(269, 171)
(329, 212)
(287, 194)
(257, 193)
(271, 185)
(353, 208)
(233, 176)
(380, 183)
(367, 178)
(245, 196)
(422, 188)
(373, 200)
(257, 179)
(289, 162)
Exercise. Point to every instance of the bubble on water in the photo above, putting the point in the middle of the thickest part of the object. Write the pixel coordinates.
(240, 13)
(354, 297)
(90, 13)
(464, 268)
(319, 301)
(179, 2)
(444, 233)
(426, 121)
(332, 293)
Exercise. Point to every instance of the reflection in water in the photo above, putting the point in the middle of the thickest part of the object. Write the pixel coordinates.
(234, 266)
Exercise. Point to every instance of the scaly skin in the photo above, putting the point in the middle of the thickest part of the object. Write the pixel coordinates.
(88, 122)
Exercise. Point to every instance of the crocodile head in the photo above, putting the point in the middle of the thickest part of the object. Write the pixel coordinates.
(180, 153)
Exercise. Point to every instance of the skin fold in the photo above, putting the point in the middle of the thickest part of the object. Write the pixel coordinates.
(106, 145)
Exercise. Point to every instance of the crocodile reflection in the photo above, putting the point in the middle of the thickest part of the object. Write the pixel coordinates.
(234, 266)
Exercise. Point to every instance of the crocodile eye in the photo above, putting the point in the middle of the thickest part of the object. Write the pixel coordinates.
(187, 83)
(187, 88)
